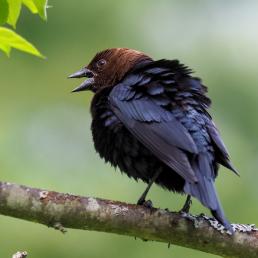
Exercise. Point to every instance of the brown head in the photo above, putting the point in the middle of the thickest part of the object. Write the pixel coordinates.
(108, 67)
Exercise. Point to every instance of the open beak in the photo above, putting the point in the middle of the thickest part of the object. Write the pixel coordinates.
(87, 84)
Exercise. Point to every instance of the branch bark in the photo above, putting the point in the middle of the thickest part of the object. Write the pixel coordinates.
(61, 211)
(20, 254)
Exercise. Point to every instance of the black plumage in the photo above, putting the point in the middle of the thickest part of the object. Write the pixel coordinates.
(150, 119)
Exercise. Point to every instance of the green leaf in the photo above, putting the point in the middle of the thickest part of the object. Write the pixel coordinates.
(30, 5)
(10, 39)
(42, 8)
(14, 11)
(37, 6)
(4, 9)
(5, 48)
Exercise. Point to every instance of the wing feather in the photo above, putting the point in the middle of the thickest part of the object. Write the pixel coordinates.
(169, 154)
(221, 150)
(157, 129)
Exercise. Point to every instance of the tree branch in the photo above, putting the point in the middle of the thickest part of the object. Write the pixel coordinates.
(20, 254)
(61, 211)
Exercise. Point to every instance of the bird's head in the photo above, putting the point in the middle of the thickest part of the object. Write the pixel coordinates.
(107, 68)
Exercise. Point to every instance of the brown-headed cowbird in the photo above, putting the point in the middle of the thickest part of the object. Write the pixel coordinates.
(150, 119)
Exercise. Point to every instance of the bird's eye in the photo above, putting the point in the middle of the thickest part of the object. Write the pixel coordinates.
(101, 63)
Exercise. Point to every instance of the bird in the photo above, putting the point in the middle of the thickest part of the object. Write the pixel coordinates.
(150, 119)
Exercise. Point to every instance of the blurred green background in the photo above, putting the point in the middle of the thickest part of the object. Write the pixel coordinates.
(45, 131)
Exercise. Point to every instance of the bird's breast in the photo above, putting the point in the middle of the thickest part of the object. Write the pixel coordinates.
(114, 143)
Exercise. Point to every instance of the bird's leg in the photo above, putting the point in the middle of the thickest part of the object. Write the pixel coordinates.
(187, 204)
(141, 200)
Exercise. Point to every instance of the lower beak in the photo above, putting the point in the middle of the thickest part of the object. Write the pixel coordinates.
(87, 84)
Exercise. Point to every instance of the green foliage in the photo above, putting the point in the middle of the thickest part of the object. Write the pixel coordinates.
(9, 39)
(3, 11)
(14, 11)
(37, 6)
(9, 13)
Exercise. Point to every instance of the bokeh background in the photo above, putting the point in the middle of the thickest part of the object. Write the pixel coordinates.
(45, 134)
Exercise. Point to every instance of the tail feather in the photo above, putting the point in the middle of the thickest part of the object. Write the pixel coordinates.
(204, 190)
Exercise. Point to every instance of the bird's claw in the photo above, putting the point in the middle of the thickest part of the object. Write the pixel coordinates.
(143, 202)
(186, 207)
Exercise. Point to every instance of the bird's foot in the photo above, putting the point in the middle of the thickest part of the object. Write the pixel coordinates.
(143, 202)
(187, 206)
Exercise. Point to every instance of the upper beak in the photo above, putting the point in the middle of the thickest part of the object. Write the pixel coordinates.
(86, 85)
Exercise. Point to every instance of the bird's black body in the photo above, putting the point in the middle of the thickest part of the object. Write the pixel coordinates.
(154, 118)
(114, 142)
